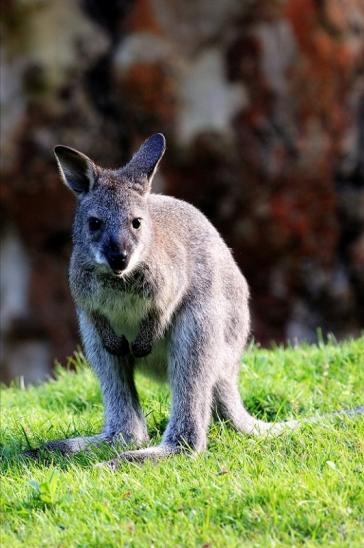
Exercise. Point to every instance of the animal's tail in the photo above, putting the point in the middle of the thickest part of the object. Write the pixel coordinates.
(230, 407)
(254, 426)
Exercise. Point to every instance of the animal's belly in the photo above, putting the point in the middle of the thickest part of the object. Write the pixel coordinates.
(155, 364)
(124, 313)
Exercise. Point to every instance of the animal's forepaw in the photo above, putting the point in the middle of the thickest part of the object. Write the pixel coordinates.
(118, 346)
(124, 348)
(141, 349)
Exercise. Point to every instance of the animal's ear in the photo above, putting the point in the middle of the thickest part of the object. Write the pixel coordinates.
(77, 170)
(143, 165)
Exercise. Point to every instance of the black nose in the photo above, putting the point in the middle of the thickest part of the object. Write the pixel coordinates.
(118, 260)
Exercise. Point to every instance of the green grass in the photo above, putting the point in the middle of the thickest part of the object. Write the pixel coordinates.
(302, 488)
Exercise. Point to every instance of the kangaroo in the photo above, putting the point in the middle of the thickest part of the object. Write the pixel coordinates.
(155, 287)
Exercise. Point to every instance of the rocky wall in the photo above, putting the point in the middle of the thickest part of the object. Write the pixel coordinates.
(262, 103)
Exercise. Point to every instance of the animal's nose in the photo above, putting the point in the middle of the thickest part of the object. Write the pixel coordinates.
(118, 260)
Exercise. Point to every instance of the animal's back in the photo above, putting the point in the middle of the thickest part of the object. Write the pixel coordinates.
(215, 282)
(183, 225)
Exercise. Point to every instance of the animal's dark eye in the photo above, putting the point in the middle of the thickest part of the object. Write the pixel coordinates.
(136, 223)
(94, 224)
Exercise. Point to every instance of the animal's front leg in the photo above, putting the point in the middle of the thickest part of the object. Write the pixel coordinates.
(114, 344)
(191, 371)
(148, 332)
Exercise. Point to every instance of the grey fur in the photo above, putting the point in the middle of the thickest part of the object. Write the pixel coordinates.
(179, 307)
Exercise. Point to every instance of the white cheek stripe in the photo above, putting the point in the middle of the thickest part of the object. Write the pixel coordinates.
(134, 260)
(100, 259)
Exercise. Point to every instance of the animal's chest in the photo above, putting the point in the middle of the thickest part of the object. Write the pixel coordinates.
(124, 311)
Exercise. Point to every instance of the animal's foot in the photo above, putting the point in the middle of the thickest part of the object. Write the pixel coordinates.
(33, 453)
(66, 447)
(135, 437)
(153, 454)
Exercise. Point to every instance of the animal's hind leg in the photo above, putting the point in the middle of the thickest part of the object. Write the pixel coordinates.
(194, 353)
(229, 406)
(124, 420)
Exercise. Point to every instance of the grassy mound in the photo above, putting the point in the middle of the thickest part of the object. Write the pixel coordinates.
(304, 487)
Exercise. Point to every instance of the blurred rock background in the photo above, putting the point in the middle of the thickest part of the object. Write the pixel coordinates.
(262, 103)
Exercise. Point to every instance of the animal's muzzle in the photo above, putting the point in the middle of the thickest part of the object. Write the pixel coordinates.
(118, 260)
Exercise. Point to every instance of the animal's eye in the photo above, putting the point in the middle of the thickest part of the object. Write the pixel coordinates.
(136, 223)
(94, 224)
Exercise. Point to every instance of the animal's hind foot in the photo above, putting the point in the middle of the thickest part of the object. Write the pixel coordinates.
(152, 454)
(67, 447)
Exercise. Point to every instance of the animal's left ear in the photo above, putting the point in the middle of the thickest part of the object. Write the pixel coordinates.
(143, 165)
(76, 169)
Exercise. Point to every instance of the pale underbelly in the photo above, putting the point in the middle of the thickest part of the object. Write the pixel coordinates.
(155, 364)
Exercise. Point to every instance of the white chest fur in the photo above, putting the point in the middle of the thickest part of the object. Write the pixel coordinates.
(124, 311)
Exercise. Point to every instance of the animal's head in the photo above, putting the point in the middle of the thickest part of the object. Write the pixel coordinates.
(112, 225)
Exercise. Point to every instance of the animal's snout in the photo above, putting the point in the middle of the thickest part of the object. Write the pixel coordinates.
(117, 257)
(118, 261)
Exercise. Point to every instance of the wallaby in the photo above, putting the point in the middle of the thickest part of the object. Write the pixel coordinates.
(155, 286)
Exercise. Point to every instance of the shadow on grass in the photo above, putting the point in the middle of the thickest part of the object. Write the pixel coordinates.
(268, 406)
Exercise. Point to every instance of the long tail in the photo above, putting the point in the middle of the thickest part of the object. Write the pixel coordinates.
(256, 427)
(230, 407)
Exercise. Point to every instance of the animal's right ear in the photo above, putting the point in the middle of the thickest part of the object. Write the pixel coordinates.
(78, 172)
